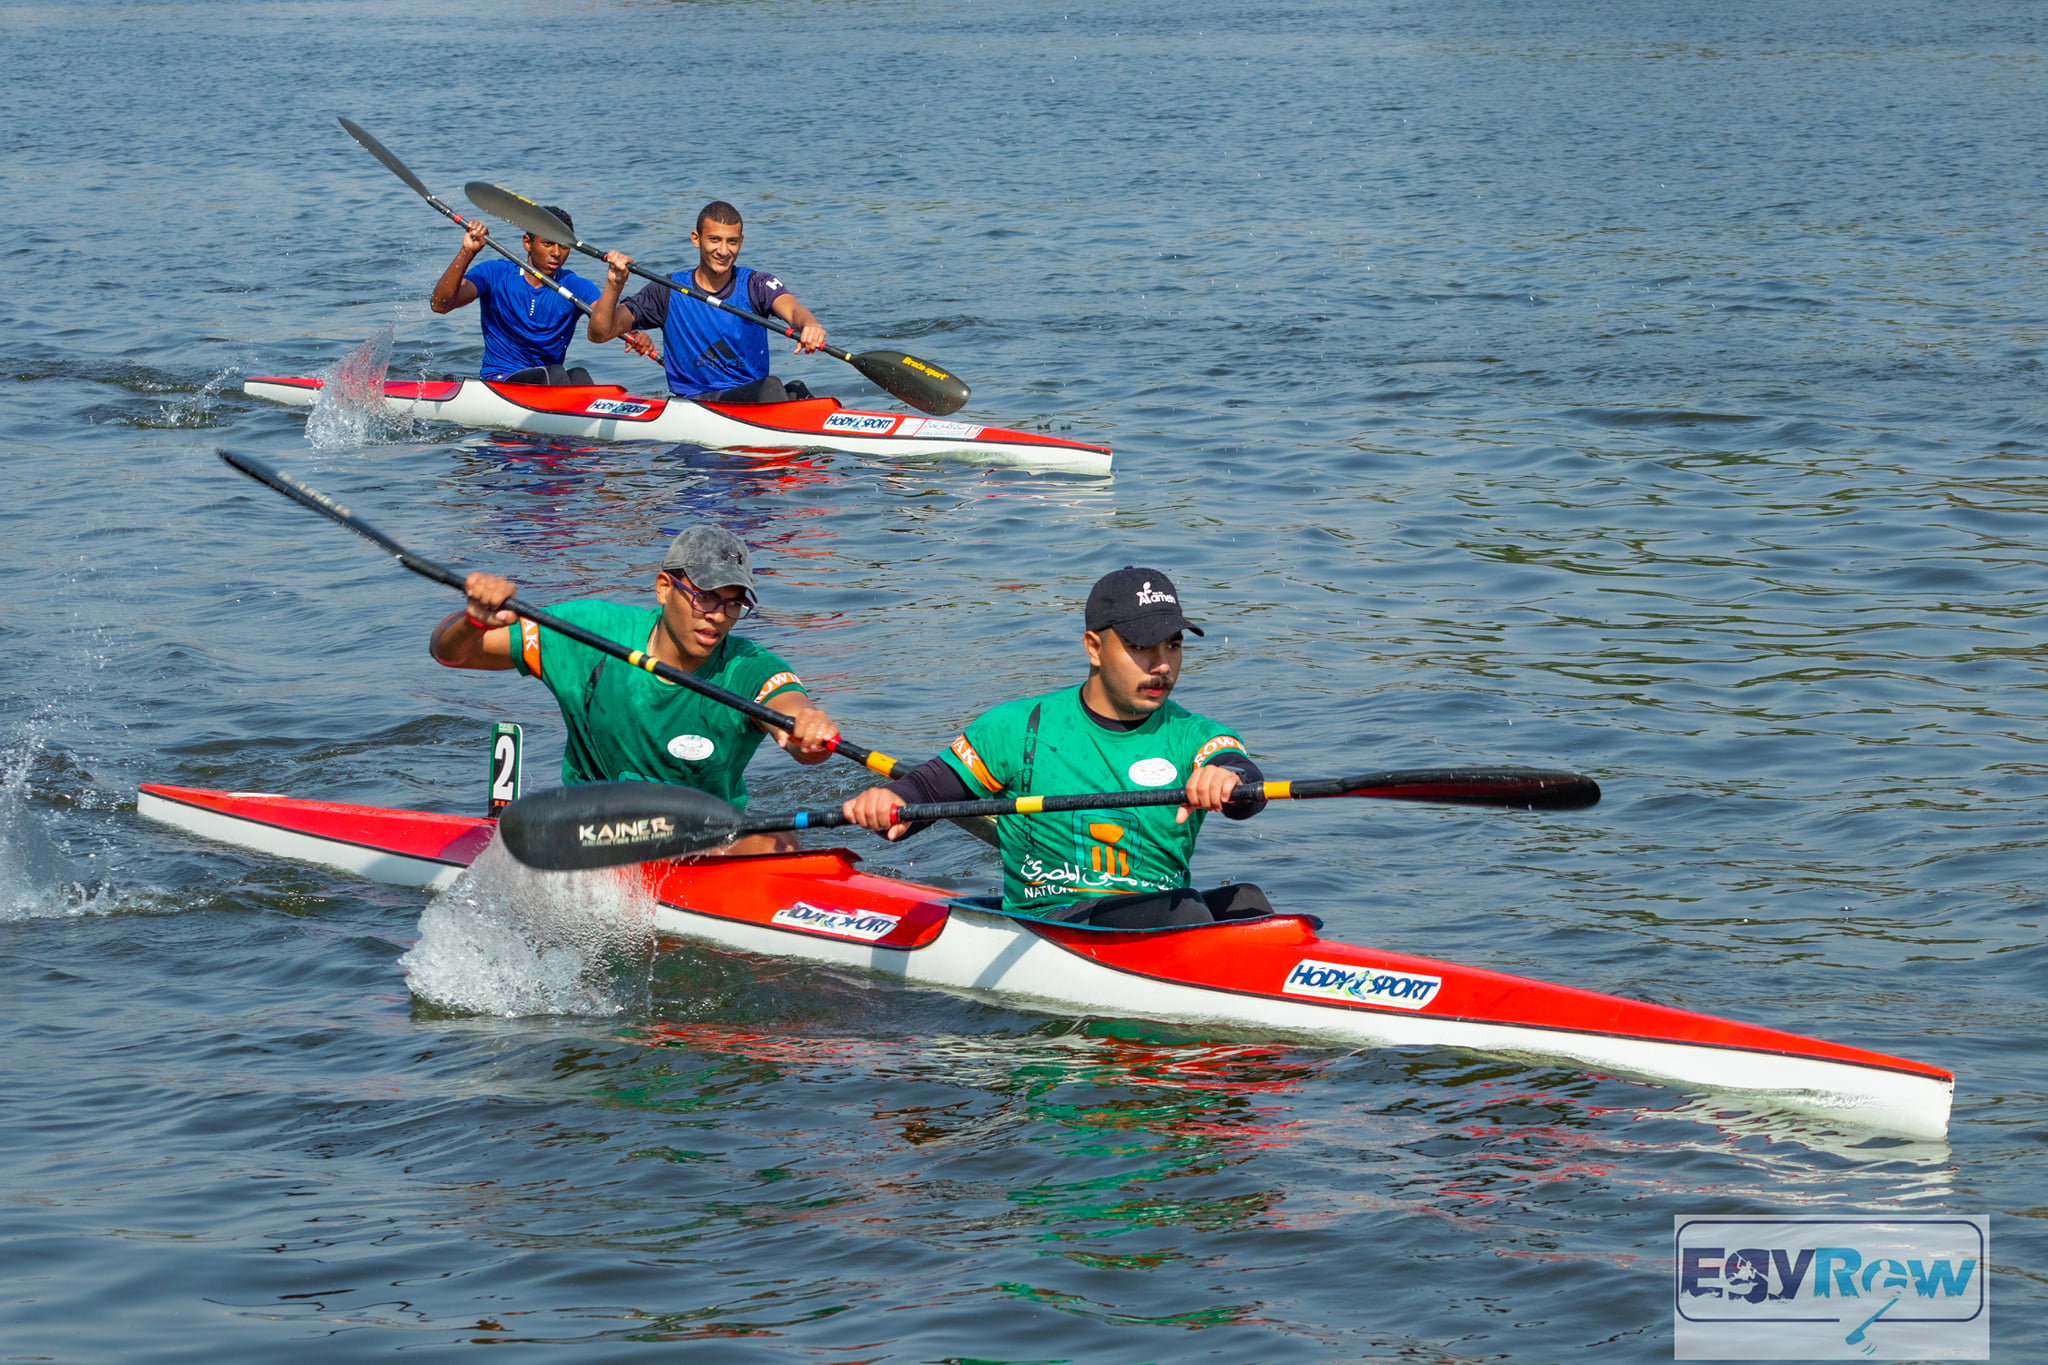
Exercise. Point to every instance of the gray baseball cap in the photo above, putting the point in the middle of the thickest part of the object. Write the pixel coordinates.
(711, 557)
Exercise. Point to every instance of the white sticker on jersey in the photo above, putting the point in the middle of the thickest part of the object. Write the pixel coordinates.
(1153, 772)
(691, 748)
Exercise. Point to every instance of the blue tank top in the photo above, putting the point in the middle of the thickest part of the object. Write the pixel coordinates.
(708, 350)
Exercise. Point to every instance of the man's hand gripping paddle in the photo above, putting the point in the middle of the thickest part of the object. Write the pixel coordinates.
(398, 168)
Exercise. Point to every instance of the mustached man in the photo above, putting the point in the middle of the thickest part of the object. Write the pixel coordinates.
(1119, 730)
(624, 723)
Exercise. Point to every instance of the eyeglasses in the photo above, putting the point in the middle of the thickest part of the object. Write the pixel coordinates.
(710, 603)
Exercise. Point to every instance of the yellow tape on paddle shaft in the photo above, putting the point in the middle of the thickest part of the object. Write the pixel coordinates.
(1279, 791)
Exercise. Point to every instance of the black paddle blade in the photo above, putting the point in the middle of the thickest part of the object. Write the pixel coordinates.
(919, 383)
(521, 213)
(1521, 788)
(608, 824)
(383, 154)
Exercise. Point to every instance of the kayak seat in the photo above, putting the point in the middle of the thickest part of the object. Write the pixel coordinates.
(1170, 909)
(1182, 908)
(556, 376)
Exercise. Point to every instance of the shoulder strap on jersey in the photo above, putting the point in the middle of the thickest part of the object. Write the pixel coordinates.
(1030, 750)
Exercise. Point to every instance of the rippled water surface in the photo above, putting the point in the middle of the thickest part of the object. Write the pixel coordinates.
(1647, 389)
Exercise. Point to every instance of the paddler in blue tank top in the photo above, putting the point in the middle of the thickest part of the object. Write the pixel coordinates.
(709, 353)
(526, 324)
(627, 725)
(1124, 868)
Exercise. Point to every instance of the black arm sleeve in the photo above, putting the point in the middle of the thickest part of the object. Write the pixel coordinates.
(929, 782)
(1247, 771)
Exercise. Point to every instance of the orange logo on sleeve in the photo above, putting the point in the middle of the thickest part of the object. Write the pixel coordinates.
(1215, 747)
(529, 645)
(777, 681)
(965, 753)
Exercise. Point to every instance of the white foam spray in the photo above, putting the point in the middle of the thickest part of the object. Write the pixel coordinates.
(37, 879)
(511, 941)
(194, 409)
(350, 410)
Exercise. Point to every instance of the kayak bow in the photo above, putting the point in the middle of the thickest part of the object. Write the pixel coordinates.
(1273, 975)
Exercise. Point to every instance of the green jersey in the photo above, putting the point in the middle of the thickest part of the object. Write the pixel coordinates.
(626, 725)
(1042, 745)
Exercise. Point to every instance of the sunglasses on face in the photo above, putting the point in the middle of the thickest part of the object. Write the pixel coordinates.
(710, 603)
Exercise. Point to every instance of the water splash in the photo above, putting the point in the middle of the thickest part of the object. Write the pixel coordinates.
(508, 940)
(37, 879)
(191, 409)
(350, 410)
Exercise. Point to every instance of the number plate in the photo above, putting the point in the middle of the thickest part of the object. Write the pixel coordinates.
(505, 769)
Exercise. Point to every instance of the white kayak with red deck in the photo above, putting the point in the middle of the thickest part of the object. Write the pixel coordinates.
(606, 412)
(1273, 976)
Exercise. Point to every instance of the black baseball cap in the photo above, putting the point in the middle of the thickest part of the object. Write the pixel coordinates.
(1141, 605)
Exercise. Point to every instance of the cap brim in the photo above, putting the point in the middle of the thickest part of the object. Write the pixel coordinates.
(1149, 631)
(712, 577)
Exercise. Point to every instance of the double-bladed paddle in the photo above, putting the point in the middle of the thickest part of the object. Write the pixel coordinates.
(399, 169)
(308, 496)
(605, 824)
(919, 383)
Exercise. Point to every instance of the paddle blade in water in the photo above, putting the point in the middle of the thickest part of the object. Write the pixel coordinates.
(1521, 788)
(383, 154)
(607, 824)
(919, 383)
(520, 212)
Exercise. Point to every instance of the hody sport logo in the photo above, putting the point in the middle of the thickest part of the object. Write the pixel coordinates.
(1354, 984)
(1831, 1288)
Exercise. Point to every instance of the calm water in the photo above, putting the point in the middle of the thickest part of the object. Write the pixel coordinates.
(1652, 389)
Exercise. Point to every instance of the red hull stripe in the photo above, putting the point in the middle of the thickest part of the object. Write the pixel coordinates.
(451, 840)
(1150, 955)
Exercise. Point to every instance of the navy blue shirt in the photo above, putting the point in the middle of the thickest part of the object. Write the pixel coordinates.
(650, 305)
(706, 348)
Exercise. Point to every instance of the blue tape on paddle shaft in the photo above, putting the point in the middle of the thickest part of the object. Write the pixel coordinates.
(803, 819)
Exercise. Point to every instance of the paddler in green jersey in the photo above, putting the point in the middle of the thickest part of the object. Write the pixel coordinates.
(1116, 869)
(624, 723)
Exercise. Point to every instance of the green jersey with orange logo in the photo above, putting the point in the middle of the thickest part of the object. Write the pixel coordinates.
(1044, 745)
(626, 725)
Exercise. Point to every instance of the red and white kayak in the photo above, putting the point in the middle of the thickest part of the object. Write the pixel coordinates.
(606, 412)
(1273, 976)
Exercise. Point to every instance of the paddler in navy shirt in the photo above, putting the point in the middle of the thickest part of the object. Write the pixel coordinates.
(708, 352)
(1121, 868)
(526, 324)
(624, 723)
